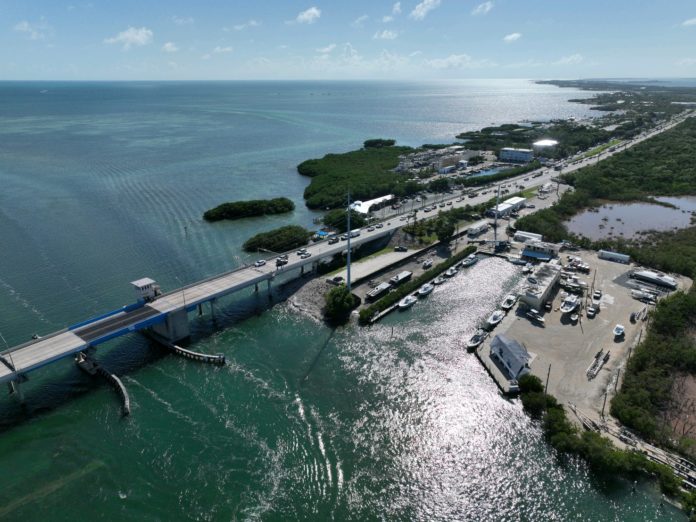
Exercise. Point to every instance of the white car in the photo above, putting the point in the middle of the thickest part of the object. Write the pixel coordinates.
(260, 262)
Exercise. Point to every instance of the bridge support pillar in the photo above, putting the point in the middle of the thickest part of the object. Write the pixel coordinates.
(175, 327)
(200, 310)
(270, 295)
(302, 270)
(16, 390)
(256, 288)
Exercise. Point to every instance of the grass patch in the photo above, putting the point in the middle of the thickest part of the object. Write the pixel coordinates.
(601, 148)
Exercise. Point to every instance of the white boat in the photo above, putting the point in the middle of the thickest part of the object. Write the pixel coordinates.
(570, 304)
(451, 272)
(528, 268)
(655, 277)
(476, 339)
(425, 289)
(495, 318)
(439, 280)
(517, 261)
(427, 263)
(470, 260)
(534, 315)
(407, 302)
(509, 302)
(619, 330)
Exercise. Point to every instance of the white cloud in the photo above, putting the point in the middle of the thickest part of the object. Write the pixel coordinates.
(572, 59)
(396, 8)
(170, 47)
(459, 61)
(415, 53)
(246, 25)
(222, 50)
(132, 37)
(309, 16)
(512, 37)
(385, 35)
(360, 21)
(387, 19)
(690, 21)
(182, 20)
(327, 49)
(421, 10)
(686, 62)
(482, 9)
(32, 31)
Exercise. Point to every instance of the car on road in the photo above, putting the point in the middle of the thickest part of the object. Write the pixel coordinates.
(301, 251)
(528, 205)
(306, 255)
(370, 229)
(402, 218)
(280, 261)
(426, 209)
(442, 205)
(449, 203)
(344, 237)
(260, 262)
(400, 248)
(379, 225)
(333, 240)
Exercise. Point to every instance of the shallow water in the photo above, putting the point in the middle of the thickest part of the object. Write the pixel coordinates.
(628, 220)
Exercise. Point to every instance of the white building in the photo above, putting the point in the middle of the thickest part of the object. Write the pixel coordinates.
(516, 155)
(540, 250)
(542, 146)
(364, 206)
(513, 357)
(540, 285)
(503, 209)
(516, 202)
(524, 237)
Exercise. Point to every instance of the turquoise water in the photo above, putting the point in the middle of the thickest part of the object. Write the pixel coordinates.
(105, 183)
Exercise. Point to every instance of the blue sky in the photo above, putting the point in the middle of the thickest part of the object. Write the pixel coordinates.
(290, 39)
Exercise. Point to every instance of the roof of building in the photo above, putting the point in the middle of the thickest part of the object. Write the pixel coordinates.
(364, 206)
(545, 143)
(510, 149)
(515, 200)
(140, 283)
(543, 256)
(512, 346)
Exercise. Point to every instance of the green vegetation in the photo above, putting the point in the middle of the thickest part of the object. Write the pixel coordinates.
(504, 174)
(601, 455)
(668, 350)
(659, 166)
(251, 208)
(366, 173)
(601, 148)
(377, 143)
(339, 303)
(572, 137)
(337, 219)
(366, 314)
(279, 239)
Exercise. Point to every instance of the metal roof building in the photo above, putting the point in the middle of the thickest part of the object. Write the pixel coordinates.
(512, 356)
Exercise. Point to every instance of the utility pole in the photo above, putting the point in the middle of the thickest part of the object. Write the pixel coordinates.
(548, 374)
(348, 232)
(603, 405)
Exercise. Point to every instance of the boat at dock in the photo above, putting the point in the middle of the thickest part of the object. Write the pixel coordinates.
(426, 289)
(570, 304)
(495, 318)
(508, 302)
(476, 339)
(534, 315)
(439, 280)
(470, 260)
(451, 272)
(407, 302)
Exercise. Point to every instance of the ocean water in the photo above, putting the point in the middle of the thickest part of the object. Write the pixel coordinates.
(103, 183)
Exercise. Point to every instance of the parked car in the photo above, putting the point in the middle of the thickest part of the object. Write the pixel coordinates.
(400, 248)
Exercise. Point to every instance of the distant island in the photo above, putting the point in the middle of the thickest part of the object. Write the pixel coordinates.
(251, 208)
(278, 240)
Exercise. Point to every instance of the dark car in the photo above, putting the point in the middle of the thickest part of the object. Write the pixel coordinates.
(400, 248)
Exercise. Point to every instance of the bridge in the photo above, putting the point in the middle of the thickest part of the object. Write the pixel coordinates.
(167, 315)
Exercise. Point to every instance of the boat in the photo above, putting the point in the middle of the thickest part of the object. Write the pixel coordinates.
(427, 263)
(425, 289)
(495, 318)
(655, 277)
(509, 302)
(476, 339)
(439, 280)
(451, 272)
(407, 302)
(517, 260)
(528, 268)
(470, 260)
(570, 304)
(534, 315)
(619, 330)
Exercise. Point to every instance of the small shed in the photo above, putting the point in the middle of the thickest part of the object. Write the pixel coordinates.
(512, 356)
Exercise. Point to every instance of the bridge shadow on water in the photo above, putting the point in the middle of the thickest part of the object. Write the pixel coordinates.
(56, 385)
